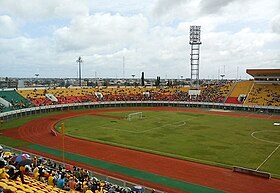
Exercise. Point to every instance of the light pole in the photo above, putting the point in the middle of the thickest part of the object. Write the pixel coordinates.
(133, 79)
(79, 61)
(222, 75)
(195, 50)
(36, 81)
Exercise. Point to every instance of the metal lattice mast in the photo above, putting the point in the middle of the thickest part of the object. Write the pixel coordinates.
(195, 48)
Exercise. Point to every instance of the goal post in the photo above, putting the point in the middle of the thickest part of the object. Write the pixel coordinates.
(137, 115)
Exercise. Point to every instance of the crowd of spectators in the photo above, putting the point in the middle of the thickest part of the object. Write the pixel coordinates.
(214, 92)
(68, 178)
(210, 91)
(265, 95)
(14, 105)
(2, 107)
(14, 101)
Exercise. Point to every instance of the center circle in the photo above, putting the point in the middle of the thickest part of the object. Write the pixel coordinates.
(263, 139)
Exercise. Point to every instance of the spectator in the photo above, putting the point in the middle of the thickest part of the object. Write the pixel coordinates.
(23, 170)
(3, 174)
(72, 183)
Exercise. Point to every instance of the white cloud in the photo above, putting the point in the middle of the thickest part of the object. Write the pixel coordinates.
(8, 27)
(213, 6)
(37, 10)
(102, 33)
(152, 35)
(245, 49)
(275, 24)
(162, 7)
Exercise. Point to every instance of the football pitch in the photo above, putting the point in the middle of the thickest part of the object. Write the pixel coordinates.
(206, 138)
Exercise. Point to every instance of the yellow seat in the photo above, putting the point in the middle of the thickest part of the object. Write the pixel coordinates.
(20, 191)
(19, 187)
(11, 183)
(33, 189)
(28, 190)
(12, 188)
(25, 186)
(3, 185)
(49, 187)
(4, 180)
(18, 183)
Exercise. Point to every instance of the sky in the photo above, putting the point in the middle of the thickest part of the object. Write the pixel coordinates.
(122, 38)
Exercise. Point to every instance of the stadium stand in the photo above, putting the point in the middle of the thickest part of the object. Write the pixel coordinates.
(264, 95)
(216, 92)
(16, 100)
(78, 95)
(33, 174)
(266, 89)
(239, 92)
(39, 97)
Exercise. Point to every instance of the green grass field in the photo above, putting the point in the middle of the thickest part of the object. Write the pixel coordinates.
(211, 139)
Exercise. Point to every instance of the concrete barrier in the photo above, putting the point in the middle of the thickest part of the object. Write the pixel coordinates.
(252, 172)
(53, 132)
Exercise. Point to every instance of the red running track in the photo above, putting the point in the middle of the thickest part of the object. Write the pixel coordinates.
(38, 132)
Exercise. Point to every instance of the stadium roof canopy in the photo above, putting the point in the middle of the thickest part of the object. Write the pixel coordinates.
(264, 72)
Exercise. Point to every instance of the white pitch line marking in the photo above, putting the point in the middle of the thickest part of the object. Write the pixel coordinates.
(147, 130)
(268, 156)
(267, 141)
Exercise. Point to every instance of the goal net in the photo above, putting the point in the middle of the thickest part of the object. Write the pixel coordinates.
(137, 115)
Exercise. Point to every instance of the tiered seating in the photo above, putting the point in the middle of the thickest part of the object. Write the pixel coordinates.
(215, 92)
(2, 108)
(64, 95)
(15, 99)
(40, 174)
(32, 186)
(212, 93)
(264, 95)
(33, 93)
(242, 87)
(78, 95)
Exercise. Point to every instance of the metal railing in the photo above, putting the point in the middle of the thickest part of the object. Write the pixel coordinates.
(10, 115)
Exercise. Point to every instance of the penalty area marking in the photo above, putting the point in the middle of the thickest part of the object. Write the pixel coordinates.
(174, 125)
(268, 156)
(182, 123)
(267, 141)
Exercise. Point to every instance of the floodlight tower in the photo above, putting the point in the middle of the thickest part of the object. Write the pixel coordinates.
(79, 61)
(195, 46)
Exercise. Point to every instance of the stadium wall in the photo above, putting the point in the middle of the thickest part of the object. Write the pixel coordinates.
(10, 115)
